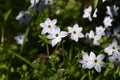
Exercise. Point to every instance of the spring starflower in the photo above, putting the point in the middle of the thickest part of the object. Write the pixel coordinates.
(88, 13)
(56, 35)
(107, 21)
(100, 30)
(19, 39)
(115, 58)
(96, 61)
(24, 17)
(48, 25)
(92, 61)
(112, 47)
(75, 32)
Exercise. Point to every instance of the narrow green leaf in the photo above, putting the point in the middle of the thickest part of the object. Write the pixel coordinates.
(23, 59)
(7, 14)
(95, 3)
(24, 40)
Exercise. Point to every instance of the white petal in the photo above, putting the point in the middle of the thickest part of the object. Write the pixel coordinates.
(54, 42)
(98, 68)
(92, 55)
(63, 34)
(100, 56)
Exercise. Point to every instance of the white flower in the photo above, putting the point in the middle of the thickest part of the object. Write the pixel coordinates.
(103, 0)
(92, 61)
(91, 35)
(113, 10)
(107, 21)
(48, 2)
(115, 58)
(48, 25)
(112, 47)
(33, 4)
(97, 62)
(85, 62)
(19, 39)
(24, 17)
(56, 35)
(100, 30)
(117, 32)
(75, 32)
(88, 12)
(109, 11)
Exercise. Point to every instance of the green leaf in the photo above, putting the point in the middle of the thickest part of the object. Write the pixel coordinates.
(23, 59)
(95, 3)
(24, 40)
(7, 15)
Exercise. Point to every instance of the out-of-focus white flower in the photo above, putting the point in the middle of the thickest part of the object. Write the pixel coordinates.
(56, 35)
(91, 35)
(117, 32)
(100, 30)
(49, 2)
(88, 13)
(19, 39)
(24, 17)
(48, 25)
(112, 10)
(75, 32)
(92, 61)
(112, 47)
(107, 21)
(115, 58)
(33, 4)
(103, 0)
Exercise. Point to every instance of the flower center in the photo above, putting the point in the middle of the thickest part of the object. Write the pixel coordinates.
(95, 60)
(113, 48)
(118, 32)
(74, 32)
(49, 26)
(56, 35)
(117, 59)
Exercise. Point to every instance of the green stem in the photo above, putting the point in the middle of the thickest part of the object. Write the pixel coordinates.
(2, 36)
(23, 59)
(89, 75)
(25, 37)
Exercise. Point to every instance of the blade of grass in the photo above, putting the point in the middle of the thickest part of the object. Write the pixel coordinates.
(23, 59)
(95, 3)
(24, 40)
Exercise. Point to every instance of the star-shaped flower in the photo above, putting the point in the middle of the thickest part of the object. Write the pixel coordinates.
(117, 32)
(92, 61)
(56, 35)
(48, 25)
(75, 32)
(88, 13)
(91, 35)
(115, 58)
(24, 17)
(112, 47)
(33, 4)
(19, 39)
(97, 62)
(100, 30)
(107, 21)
